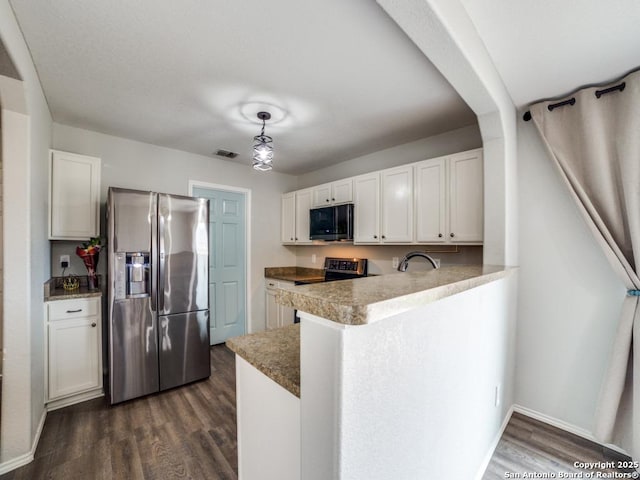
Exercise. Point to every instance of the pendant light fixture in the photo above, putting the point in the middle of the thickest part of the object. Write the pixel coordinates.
(263, 147)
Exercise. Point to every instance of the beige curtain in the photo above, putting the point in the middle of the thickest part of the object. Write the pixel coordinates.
(595, 142)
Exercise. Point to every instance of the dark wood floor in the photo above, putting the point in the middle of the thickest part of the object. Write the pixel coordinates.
(190, 433)
(530, 446)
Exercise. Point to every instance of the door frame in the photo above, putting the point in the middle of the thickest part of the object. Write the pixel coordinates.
(247, 226)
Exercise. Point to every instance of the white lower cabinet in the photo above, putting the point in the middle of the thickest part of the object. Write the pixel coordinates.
(276, 315)
(74, 351)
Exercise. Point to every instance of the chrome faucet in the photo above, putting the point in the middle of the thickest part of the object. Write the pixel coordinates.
(404, 263)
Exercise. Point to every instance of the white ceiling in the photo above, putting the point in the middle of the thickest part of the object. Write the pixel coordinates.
(340, 77)
(548, 48)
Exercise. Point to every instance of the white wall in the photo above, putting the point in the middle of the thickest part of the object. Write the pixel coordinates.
(459, 140)
(569, 296)
(403, 397)
(26, 139)
(444, 32)
(130, 164)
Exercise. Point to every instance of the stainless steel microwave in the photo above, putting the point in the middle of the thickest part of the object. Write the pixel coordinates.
(331, 223)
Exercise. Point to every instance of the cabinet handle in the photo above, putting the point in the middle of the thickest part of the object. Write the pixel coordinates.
(291, 239)
(296, 239)
(452, 235)
(440, 235)
(375, 236)
(383, 236)
(327, 199)
(333, 199)
(93, 324)
(74, 311)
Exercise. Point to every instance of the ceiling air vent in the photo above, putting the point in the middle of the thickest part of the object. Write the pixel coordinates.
(226, 154)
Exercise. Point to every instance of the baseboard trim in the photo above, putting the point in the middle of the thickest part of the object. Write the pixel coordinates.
(28, 457)
(567, 427)
(73, 399)
(494, 444)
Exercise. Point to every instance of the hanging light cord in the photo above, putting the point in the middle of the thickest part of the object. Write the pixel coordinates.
(262, 132)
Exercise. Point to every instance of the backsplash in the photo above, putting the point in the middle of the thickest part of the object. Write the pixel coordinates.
(76, 265)
(380, 256)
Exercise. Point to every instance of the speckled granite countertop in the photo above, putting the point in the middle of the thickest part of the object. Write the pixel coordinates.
(295, 274)
(53, 290)
(276, 353)
(367, 300)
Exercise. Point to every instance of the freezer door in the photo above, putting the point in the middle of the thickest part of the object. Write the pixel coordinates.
(183, 236)
(133, 349)
(184, 348)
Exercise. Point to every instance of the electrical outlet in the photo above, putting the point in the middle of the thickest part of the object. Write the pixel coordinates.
(437, 260)
(395, 261)
(497, 396)
(313, 258)
(64, 261)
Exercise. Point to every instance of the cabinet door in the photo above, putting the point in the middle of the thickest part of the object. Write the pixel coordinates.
(74, 356)
(367, 208)
(430, 204)
(397, 205)
(342, 191)
(303, 205)
(74, 196)
(288, 214)
(466, 203)
(271, 307)
(285, 314)
(322, 195)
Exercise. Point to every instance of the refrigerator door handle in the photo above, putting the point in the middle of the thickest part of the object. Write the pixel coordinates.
(161, 261)
(154, 251)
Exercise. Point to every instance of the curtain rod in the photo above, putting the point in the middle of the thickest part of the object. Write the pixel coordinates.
(598, 93)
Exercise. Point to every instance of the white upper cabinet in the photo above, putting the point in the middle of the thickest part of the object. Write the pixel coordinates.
(397, 205)
(430, 196)
(303, 205)
(449, 199)
(333, 193)
(466, 197)
(367, 208)
(383, 208)
(342, 191)
(295, 217)
(74, 196)
(288, 218)
(440, 200)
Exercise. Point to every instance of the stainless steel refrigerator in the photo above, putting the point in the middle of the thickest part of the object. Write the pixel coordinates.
(158, 266)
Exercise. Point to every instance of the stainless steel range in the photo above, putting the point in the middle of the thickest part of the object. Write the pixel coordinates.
(338, 269)
(344, 268)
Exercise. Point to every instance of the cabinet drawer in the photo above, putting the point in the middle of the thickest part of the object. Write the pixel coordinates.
(270, 283)
(76, 308)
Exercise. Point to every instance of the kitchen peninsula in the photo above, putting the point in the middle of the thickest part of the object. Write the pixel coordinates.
(405, 375)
